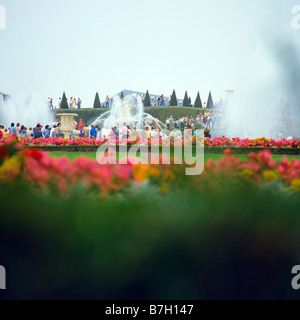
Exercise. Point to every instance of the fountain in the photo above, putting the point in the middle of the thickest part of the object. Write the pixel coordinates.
(67, 123)
(129, 110)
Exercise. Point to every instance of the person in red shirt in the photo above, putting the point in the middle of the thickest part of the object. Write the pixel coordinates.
(81, 124)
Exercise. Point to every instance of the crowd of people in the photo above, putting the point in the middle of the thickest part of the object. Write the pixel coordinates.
(21, 132)
(82, 130)
(159, 101)
(210, 120)
(73, 103)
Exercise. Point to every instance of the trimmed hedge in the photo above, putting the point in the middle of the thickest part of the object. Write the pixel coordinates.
(208, 150)
(87, 115)
(163, 112)
(90, 115)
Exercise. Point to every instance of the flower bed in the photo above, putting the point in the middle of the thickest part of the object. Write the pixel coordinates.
(223, 142)
(61, 174)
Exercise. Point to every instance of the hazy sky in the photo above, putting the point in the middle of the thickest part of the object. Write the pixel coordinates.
(81, 47)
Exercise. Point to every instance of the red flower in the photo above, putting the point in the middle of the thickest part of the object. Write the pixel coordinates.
(33, 153)
(3, 153)
(228, 152)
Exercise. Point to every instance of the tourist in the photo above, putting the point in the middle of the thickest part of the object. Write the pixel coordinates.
(162, 102)
(51, 103)
(112, 133)
(208, 121)
(99, 132)
(207, 133)
(144, 133)
(74, 103)
(52, 134)
(81, 132)
(190, 101)
(81, 124)
(79, 103)
(29, 133)
(59, 103)
(22, 133)
(57, 132)
(107, 102)
(36, 131)
(168, 123)
(40, 133)
(124, 131)
(60, 133)
(12, 130)
(220, 104)
(18, 128)
(93, 132)
(171, 122)
(71, 103)
(204, 105)
(129, 132)
(47, 132)
(86, 131)
(5, 134)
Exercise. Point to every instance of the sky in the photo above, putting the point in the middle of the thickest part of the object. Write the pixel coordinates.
(81, 47)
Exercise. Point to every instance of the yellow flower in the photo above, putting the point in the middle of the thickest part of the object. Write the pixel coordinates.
(269, 175)
(295, 184)
(154, 172)
(246, 173)
(141, 172)
(164, 188)
(10, 166)
(168, 175)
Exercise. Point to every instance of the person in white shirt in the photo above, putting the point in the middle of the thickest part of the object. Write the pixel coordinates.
(52, 132)
(168, 123)
(99, 133)
(129, 132)
(124, 131)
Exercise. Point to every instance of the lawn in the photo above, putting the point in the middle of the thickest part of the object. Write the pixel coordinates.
(215, 157)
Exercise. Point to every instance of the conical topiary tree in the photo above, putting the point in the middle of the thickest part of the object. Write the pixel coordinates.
(198, 102)
(173, 102)
(122, 95)
(147, 101)
(97, 103)
(64, 102)
(210, 103)
(186, 102)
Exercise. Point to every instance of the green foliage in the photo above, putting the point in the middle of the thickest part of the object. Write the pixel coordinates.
(97, 103)
(90, 115)
(64, 102)
(147, 101)
(186, 102)
(182, 245)
(173, 102)
(165, 112)
(210, 103)
(198, 102)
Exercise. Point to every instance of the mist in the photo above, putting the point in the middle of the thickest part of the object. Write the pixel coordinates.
(26, 111)
(266, 101)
